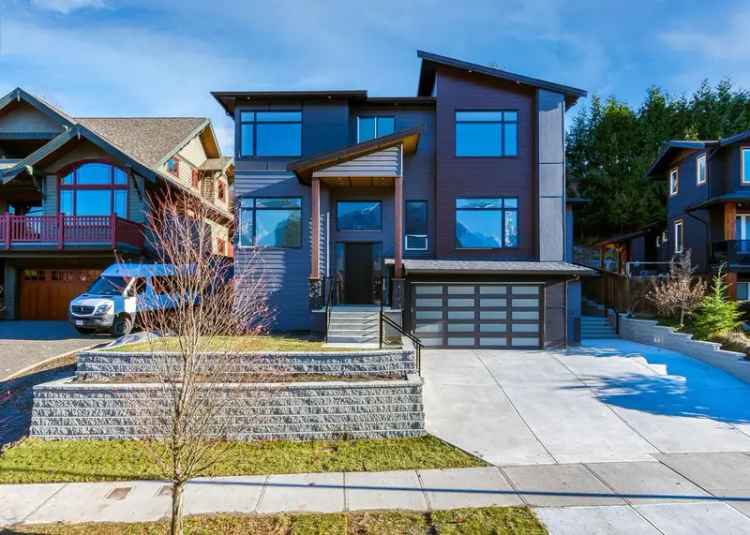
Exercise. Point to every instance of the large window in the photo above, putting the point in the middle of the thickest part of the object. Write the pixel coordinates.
(270, 133)
(371, 127)
(486, 223)
(674, 182)
(359, 215)
(94, 188)
(271, 222)
(700, 169)
(486, 133)
(745, 165)
(416, 226)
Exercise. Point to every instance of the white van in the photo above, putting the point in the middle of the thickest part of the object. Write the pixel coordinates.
(114, 300)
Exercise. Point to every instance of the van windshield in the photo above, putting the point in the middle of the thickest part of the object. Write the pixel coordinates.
(109, 286)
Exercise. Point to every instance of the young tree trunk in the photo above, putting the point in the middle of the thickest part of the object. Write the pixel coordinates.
(176, 522)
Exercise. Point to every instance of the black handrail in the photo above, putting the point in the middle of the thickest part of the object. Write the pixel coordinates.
(329, 303)
(417, 343)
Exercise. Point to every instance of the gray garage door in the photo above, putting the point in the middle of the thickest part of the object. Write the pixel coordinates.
(478, 315)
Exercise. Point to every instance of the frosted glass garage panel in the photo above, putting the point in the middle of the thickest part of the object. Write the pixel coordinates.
(492, 327)
(525, 314)
(429, 314)
(493, 290)
(525, 328)
(465, 290)
(493, 314)
(460, 314)
(461, 342)
(431, 342)
(525, 302)
(427, 302)
(428, 328)
(487, 302)
(460, 302)
(429, 290)
(525, 290)
(492, 341)
(524, 342)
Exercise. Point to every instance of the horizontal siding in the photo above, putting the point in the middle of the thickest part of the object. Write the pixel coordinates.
(50, 195)
(136, 206)
(382, 163)
(283, 273)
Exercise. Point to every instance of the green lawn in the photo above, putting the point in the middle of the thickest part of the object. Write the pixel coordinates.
(40, 461)
(270, 342)
(488, 520)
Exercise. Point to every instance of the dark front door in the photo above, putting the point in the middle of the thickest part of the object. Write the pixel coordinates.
(358, 275)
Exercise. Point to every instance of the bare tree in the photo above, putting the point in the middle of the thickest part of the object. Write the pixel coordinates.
(183, 418)
(680, 293)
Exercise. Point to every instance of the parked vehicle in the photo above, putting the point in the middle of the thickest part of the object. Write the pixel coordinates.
(112, 303)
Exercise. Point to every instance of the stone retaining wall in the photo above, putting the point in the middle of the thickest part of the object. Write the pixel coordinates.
(347, 363)
(372, 409)
(650, 332)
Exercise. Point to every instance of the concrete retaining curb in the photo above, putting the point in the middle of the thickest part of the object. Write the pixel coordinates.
(651, 333)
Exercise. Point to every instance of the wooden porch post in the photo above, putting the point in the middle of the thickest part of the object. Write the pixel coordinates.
(730, 233)
(398, 226)
(315, 256)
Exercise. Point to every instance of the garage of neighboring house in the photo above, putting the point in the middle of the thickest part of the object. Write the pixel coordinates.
(485, 315)
(44, 294)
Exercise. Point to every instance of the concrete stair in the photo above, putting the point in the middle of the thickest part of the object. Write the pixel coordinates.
(353, 326)
(596, 327)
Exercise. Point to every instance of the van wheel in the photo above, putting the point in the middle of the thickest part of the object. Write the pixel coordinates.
(122, 326)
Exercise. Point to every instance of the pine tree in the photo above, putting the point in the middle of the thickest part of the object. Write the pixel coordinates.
(717, 315)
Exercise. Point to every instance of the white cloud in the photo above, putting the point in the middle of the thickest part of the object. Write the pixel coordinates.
(68, 6)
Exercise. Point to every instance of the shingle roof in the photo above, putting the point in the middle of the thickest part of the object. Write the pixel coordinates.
(493, 266)
(147, 139)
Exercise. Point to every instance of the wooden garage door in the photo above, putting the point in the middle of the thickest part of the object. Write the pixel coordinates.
(44, 294)
(478, 315)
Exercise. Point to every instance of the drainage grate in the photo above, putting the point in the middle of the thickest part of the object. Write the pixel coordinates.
(119, 493)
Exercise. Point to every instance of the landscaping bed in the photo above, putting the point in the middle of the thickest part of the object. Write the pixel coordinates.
(270, 342)
(480, 521)
(44, 461)
(245, 378)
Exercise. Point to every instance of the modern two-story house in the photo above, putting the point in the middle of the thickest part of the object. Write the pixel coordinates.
(447, 207)
(74, 191)
(708, 206)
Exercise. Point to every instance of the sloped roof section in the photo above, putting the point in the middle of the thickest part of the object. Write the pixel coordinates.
(477, 267)
(430, 60)
(670, 148)
(150, 140)
(40, 104)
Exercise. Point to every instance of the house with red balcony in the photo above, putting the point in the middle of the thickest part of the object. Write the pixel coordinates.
(73, 195)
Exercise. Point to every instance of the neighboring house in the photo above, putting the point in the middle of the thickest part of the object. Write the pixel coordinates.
(636, 253)
(450, 204)
(73, 192)
(708, 205)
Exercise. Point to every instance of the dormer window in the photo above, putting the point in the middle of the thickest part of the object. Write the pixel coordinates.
(674, 182)
(173, 166)
(700, 169)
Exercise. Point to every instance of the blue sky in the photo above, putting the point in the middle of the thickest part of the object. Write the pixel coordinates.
(155, 57)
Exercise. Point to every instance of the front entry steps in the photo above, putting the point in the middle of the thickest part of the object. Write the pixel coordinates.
(596, 327)
(354, 325)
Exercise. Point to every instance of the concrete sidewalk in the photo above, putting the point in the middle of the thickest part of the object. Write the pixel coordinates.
(678, 494)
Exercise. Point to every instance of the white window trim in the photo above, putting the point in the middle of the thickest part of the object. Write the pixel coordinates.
(743, 226)
(701, 158)
(743, 180)
(426, 241)
(674, 185)
(679, 244)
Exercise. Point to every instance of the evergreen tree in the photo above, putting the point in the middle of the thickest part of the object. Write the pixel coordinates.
(717, 315)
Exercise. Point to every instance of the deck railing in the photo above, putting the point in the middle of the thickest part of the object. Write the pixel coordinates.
(63, 230)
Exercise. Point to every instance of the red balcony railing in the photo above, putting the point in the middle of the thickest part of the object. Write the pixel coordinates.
(62, 230)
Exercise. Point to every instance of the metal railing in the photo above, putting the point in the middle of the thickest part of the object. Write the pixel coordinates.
(414, 340)
(733, 253)
(330, 290)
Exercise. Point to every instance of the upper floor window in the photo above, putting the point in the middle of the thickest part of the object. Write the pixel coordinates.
(221, 191)
(674, 181)
(486, 133)
(371, 127)
(486, 223)
(173, 166)
(679, 236)
(700, 169)
(745, 165)
(359, 215)
(416, 226)
(94, 189)
(270, 133)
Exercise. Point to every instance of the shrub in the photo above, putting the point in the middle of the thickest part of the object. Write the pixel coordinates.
(717, 316)
(678, 295)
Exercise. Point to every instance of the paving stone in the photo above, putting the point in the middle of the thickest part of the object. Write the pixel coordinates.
(321, 493)
(606, 520)
(648, 482)
(19, 501)
(384, 490)
(712, 471)
(699, 518)
(559, 485)
(237, 494)
(471, 487)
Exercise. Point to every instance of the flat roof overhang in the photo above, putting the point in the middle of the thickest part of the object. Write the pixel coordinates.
(491, 267)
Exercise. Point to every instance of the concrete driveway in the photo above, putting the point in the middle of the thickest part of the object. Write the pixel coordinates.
(25, 343)
(615, 437)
